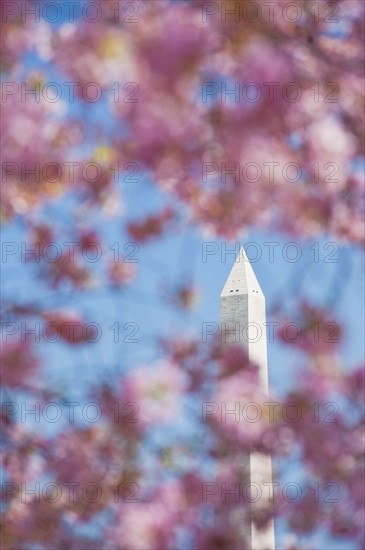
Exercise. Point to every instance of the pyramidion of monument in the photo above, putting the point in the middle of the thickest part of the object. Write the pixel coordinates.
(242, 279)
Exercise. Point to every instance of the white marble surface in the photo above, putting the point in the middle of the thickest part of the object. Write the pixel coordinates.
(242, 321)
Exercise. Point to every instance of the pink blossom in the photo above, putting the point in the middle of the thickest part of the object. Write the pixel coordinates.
(152, 226)
(239, 393)
(156, 392)
(150, 523)
(18, 363)
(121, 274)
(69, 325)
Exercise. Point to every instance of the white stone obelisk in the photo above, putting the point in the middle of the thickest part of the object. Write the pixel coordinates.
(242, 311)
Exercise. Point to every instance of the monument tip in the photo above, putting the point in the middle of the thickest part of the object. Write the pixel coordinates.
(242, 278)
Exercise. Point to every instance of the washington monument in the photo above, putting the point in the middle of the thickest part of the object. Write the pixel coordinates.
(242, 303)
